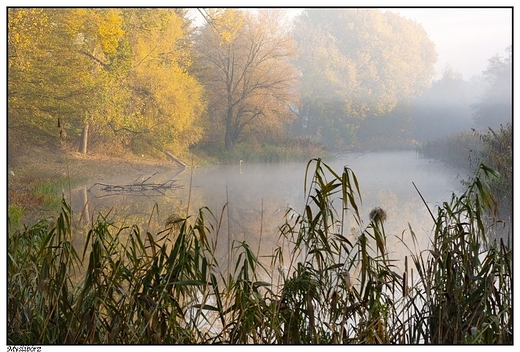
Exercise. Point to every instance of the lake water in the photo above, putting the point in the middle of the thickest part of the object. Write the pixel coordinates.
(254, 197)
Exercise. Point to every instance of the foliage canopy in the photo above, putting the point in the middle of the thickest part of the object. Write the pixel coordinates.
(123, 72)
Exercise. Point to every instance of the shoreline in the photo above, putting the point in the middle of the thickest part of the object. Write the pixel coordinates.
(41, 168)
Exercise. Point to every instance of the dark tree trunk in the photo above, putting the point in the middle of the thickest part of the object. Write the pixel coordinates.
(230, 142)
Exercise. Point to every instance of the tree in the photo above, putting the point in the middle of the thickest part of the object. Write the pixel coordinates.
(356, 63)
(112, 76)
(495, 106)
(61, 78)
(98, 37)
(162, 100)
(246, 69)
(47, 80)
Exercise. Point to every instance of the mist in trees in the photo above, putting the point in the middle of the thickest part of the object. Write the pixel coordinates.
(494, 106)
(444, 108)
(355, 64)
(452, 105)
(150, 80)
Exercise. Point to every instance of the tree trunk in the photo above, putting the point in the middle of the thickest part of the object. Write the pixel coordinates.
(230, 143)
(84, 140)
(229, 138)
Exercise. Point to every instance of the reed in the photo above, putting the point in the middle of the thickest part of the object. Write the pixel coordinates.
(126, 286)
(465, 280)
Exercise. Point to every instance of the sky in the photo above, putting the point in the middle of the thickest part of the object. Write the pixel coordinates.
(465, 38)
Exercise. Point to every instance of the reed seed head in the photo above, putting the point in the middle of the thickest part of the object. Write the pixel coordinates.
(377, 215)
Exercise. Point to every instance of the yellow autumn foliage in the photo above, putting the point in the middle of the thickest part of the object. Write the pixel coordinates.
(123, 71)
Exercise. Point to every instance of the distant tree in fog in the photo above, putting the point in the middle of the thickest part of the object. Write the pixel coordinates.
(494, 107)
(445, 107)
(355, 63)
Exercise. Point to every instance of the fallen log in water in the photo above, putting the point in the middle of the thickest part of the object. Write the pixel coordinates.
(177, 160)
(142, 187)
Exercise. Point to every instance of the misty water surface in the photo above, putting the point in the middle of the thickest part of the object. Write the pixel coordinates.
(255, 197)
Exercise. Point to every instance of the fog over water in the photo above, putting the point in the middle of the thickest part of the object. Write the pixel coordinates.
(255, 197)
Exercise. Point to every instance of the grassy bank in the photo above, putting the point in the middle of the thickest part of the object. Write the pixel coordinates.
(125, 286)
(40, 196)
(39, 176)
